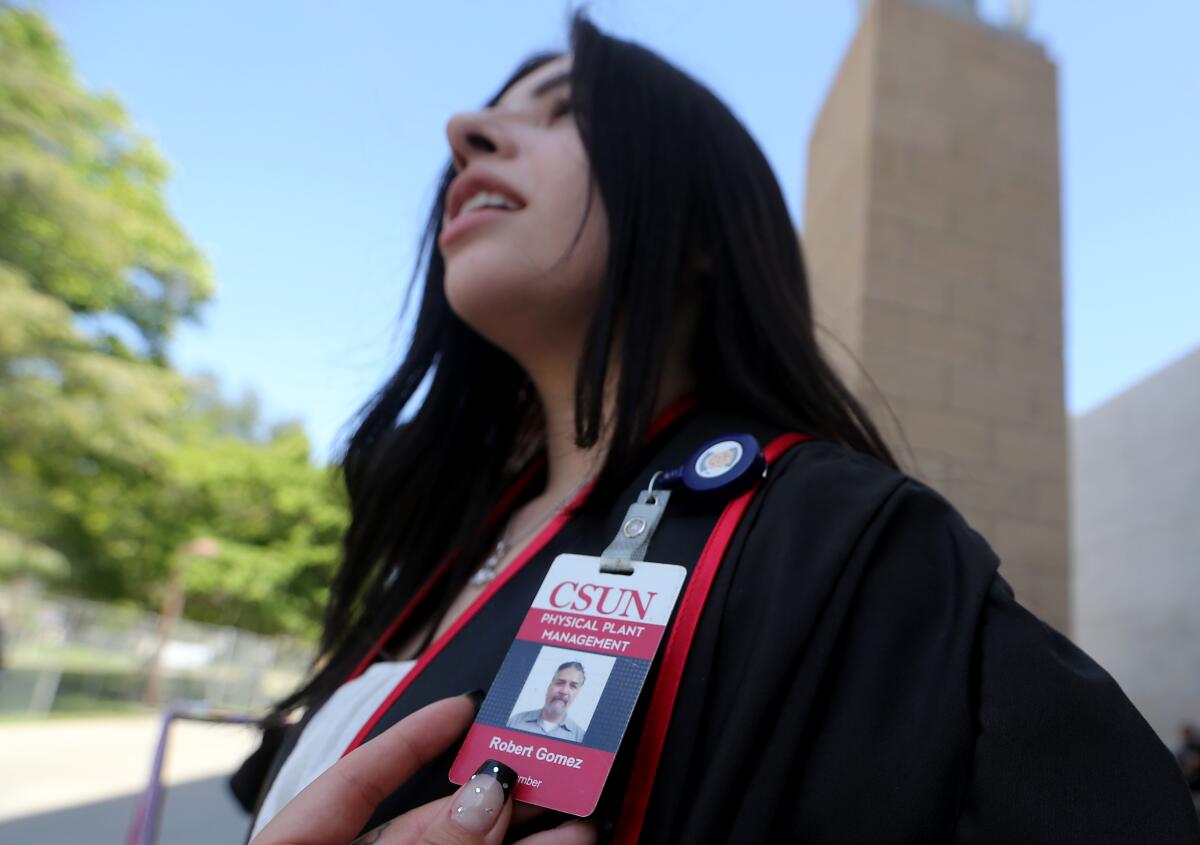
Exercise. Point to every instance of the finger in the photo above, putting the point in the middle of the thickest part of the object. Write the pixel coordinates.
(335, 806)
(408, 827)
(575, 832)
(524, 813)
(479, 813)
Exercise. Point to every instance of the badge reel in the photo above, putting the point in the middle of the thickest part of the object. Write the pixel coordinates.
(559, 705)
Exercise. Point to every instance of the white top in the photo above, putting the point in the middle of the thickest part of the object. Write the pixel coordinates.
(328, 734)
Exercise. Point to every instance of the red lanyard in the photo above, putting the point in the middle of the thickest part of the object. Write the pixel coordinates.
(679, 641)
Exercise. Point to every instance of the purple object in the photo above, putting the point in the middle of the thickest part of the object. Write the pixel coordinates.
(143, 829)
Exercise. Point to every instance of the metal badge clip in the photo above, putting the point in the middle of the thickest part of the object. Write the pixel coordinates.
(637, 528)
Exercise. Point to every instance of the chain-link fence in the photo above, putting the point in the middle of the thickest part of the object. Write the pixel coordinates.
(60, 655)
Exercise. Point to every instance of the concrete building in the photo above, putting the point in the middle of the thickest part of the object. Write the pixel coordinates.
(1135, 516)
(933, 243)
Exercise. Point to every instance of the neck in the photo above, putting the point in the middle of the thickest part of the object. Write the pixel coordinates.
(568, 465)
(552, 371)
(546, 718)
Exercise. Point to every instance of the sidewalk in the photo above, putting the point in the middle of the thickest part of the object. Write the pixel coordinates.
(58, 764)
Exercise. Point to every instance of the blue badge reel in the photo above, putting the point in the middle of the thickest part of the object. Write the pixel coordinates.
(723, 468)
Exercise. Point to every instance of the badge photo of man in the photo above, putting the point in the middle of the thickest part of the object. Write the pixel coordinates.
(552, 719)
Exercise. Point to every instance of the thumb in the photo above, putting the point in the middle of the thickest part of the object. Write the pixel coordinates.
(475, 809)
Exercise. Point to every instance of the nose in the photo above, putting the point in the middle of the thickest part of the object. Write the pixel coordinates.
(474, 133)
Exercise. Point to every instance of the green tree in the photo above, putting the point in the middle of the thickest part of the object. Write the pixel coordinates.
(94, 274)
(82, 213)
(277, 520)
(111, 462)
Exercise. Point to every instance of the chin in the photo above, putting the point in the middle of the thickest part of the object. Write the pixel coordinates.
(481, 303)
(505, 315)
(496, 328)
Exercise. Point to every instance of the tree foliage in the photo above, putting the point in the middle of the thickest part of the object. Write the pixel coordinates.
(277, 519)
(112, 462)
(83, 214)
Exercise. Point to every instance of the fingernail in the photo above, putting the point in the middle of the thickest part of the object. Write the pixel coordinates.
(478, 803)
(476, 696)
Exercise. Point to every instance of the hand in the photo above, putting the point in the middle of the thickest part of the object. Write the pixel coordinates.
(333, 808)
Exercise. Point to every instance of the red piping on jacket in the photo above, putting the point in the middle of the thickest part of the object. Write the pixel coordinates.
(442, 568)
(666, 687)
(665, 418)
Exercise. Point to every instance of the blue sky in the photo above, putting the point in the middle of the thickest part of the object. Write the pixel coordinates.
(305, 137)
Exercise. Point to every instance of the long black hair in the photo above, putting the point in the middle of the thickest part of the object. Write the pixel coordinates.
(696, 219)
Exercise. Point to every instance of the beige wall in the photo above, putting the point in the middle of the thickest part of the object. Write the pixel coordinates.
(1135, 482)
(933, 246)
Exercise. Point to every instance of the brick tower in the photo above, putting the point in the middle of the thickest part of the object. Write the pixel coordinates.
(934, 252)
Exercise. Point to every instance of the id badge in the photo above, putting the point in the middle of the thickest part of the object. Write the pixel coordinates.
(559, 705)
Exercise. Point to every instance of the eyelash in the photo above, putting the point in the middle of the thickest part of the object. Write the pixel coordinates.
(561, 107)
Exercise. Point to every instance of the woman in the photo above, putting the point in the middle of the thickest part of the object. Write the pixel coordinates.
(856, 671)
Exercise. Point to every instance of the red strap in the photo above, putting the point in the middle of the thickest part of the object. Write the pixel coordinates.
(668, 415)
(658, 717)
(665, 418)
(501, 507)
(435, 648)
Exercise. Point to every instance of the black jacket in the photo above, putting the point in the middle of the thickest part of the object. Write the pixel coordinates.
(861, 673)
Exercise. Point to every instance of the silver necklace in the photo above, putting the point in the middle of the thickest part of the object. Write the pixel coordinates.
(491, 565)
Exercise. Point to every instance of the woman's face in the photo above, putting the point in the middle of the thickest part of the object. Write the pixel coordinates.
(508, 274)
